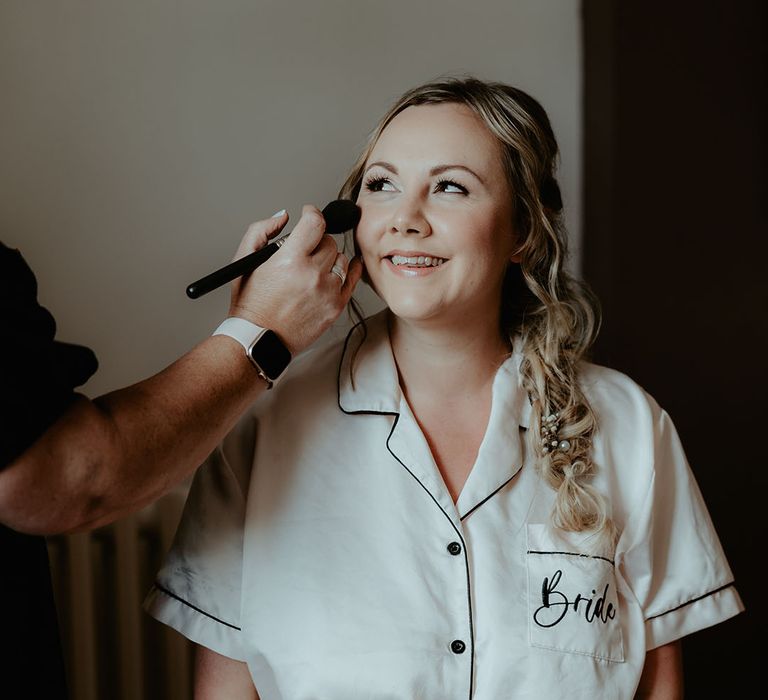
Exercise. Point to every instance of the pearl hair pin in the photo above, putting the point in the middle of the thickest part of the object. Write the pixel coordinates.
(549, 427)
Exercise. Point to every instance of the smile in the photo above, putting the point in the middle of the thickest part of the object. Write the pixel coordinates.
(416, 261)
(414, 267)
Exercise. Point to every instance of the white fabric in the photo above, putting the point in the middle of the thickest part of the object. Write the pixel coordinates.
(314, 546)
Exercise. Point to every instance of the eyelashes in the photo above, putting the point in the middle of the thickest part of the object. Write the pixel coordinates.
(451, 183)
(376, 183)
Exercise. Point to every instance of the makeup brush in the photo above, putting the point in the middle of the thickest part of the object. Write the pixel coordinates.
(340, 215)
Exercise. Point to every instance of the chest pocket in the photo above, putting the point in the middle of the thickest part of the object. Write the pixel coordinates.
(573, 603)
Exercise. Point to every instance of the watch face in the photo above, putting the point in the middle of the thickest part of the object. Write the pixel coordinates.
(270, 354)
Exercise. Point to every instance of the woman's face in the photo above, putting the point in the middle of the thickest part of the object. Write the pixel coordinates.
(434, 188)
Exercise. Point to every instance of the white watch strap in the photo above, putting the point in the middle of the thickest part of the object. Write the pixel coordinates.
(244, 332)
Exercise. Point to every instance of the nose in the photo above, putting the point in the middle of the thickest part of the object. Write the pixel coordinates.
(409, 218)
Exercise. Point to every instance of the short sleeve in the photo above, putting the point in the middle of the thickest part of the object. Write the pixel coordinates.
(39, 373)
(198, 589)
(669, 552)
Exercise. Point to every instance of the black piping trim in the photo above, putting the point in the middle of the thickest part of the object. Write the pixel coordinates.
(426, 490)
(573, 554)
(693, 600)
(464, 551)
(338, 378)
(490, 495)
(395, 413)
(458, 533)
(493, 493)
(194, 607)
(338, 388)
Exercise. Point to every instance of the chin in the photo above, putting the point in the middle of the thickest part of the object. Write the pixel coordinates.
(412, 309)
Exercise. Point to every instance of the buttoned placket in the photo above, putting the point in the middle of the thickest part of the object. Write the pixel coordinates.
(408, 446)
(376, 390)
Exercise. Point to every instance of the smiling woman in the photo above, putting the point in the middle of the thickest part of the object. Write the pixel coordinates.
(435, 187)
(453, 502)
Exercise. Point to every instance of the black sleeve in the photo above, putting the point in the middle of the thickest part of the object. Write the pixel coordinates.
(37, 373)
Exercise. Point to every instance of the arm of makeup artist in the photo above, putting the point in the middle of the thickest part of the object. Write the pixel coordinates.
(105, 458)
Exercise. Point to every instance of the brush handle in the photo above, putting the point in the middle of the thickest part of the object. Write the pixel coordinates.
(340, 215)
(236, 269)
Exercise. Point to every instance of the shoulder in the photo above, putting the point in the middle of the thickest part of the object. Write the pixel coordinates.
(319, 362)
(616, 398)
(304, 395)
(630, 425)
(309, 381)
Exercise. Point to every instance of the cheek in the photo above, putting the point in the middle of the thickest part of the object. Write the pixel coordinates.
(361, 236)
(498, 243)
(368, 235)
(489, 239)
(363, 246)
(492, 251)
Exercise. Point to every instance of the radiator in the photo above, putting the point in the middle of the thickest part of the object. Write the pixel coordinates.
(112, 648)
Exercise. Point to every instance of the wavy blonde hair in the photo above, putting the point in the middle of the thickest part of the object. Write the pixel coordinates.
(555, 315)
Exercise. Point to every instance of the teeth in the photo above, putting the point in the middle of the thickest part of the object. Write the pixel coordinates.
(420, 260)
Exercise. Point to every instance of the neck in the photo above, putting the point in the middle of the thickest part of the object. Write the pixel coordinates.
(447, 363)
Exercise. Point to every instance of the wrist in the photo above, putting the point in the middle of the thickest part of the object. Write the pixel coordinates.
(265, 351)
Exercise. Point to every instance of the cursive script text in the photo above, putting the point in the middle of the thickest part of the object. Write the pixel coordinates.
(555, 605)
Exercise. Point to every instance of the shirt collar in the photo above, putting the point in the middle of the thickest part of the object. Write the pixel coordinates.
(374, 385)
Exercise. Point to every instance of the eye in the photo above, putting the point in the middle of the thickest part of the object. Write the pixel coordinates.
(379, 184)
(450, 187)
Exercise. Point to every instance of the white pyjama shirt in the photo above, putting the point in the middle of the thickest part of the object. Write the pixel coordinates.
(320, 545)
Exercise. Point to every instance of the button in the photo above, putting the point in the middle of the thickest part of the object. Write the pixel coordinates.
(457, 646)
(454, 548)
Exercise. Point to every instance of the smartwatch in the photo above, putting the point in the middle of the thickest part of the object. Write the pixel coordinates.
(263, 348)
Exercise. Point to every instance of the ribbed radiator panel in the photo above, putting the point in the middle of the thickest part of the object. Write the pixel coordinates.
(112, 648)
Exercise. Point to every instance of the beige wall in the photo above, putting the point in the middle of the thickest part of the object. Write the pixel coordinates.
(138, 139)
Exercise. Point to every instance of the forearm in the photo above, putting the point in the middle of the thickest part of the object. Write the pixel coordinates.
(662, 677)
(220, 678)
(105, 458)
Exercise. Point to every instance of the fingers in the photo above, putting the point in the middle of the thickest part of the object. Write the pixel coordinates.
(308, 232)
(259, 233)
(339, 269)
(325, 253)
(354, 273)
(301, 290)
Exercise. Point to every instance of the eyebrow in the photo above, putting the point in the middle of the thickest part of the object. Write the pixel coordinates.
(437, 170)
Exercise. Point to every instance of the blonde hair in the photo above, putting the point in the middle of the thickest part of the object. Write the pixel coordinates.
(555, 315)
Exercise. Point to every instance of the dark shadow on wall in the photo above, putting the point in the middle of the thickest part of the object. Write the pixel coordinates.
(674, 245)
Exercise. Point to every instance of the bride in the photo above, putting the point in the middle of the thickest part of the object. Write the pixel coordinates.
(453, 503)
